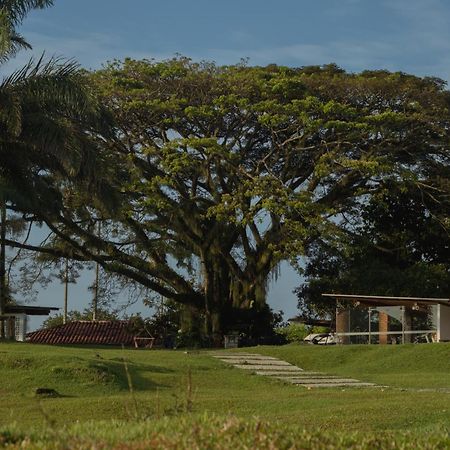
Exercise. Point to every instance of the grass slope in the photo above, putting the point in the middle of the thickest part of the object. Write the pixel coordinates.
(408, 366)
(94, 387)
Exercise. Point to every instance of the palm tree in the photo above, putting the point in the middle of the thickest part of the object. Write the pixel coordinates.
(47, 119)
(12, 13)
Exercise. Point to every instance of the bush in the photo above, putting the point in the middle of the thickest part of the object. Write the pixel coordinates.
(297, 332)
(293, 332)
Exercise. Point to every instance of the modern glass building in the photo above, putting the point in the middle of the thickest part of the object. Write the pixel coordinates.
(366, 319)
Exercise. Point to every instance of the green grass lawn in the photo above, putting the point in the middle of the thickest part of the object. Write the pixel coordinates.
(93, 386)
(406, 366)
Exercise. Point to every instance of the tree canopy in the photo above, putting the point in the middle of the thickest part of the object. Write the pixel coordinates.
(215, 174)
(398, 246)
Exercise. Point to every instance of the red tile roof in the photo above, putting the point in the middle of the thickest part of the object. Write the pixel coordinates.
(102, 332)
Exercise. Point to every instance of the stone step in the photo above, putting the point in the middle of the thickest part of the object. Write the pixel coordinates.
(287, 373)
(301, 376)
(322, 381)
(235, 355)
(252, 362)
(284, 371)
(261, 367)
(252, 357)
(333, 385)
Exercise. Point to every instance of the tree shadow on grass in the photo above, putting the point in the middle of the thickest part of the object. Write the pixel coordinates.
(95, 367)
(119, 367)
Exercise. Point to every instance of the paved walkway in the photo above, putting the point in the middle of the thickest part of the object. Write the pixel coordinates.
(282, 370)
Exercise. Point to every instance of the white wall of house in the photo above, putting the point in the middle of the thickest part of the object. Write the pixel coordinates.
(20, 327)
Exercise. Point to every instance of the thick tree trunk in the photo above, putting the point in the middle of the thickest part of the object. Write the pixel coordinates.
(234, 305)
(216, 285)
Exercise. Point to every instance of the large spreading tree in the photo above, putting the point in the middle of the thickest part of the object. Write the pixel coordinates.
(216, 174)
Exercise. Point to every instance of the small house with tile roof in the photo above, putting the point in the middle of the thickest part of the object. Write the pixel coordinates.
(83, 332)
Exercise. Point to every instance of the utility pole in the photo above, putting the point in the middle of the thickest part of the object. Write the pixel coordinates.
(3, 294)
(95, 302)
(66, 290)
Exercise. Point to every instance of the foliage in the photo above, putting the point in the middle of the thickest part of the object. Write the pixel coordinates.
(47, 113)
(293, 332)
(212, 175)
(12, 13)
(209, 176)
(164, 323)
(399, 246)
(220, 173)
(47, 116)
(297, 332)
(72, 316)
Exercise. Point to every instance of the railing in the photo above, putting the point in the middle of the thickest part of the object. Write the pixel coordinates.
(429, 335)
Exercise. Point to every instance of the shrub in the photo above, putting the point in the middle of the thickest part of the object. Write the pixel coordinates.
(297, 332)
(293, 332)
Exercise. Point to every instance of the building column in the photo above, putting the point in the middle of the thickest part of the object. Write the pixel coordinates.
(12, 328)
(407, 324)
(343, 324)
(383, 327)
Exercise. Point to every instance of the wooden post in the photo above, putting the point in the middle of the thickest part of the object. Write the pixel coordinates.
(383, 327)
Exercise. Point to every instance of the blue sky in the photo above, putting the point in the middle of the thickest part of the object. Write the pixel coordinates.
(399, 35)
(408, 35)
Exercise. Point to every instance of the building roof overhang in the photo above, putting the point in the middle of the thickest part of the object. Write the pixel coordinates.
(30, 310)
(382, 300)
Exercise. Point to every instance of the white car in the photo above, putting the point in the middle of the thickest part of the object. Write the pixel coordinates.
(321, 339)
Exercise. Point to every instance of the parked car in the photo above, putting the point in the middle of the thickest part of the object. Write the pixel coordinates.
(321, 339)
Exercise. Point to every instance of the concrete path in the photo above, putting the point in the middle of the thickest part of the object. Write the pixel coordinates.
(284, 371)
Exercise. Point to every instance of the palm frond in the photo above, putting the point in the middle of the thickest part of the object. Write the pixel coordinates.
(12, 13)
(18, 9)
(49, 116)
(16, 43)
(10, 112)
(51, 83)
